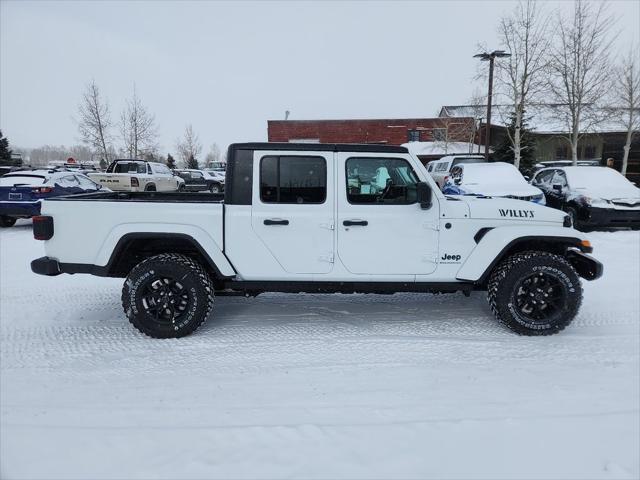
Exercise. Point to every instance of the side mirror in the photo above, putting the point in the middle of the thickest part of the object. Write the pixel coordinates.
(99, 186)
(557, 187)
(424, 195)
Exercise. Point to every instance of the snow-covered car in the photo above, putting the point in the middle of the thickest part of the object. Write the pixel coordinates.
(22, 192)
(321, 218)
(138, 176)
(496, 179)
(593, 196)
(440, 169)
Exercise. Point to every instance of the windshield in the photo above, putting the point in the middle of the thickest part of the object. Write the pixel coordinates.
(596, 178)
(13, 180)
(492, 174)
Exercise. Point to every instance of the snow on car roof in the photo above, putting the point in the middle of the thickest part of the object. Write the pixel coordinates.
(491, 173)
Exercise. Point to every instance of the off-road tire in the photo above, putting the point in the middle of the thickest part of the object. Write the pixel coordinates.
(507, 278)
(192, 276)
(6, 222)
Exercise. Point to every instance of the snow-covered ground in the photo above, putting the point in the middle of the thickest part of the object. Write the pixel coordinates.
(348, 386)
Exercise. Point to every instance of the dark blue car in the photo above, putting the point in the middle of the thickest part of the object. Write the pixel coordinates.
(21, 192)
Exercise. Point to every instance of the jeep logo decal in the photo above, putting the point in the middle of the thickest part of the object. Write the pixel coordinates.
(516, 213)
(447, 258)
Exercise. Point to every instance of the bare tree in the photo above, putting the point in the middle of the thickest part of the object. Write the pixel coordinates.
(521, 77)
(189, 147)
(137, 128)
(94, 123)
(580, 69)
(214, 154)
(627, 100)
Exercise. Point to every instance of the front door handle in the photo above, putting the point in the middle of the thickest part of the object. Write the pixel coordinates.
(274, 221)
(353, 223)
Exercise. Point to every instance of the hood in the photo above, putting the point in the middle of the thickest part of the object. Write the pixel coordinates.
(510, 210)
(630, 192)
(524, 190)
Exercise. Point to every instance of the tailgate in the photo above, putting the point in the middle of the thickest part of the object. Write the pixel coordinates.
(114, 181)
(19, 194)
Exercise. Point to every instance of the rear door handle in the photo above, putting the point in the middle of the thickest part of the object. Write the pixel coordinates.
(353, 223)
(274, 221)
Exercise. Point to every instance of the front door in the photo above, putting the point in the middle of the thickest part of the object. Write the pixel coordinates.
(293, 209)
(381, 228)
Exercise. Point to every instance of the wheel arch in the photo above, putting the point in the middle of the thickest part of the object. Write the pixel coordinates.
(495, 246)
(132, 248)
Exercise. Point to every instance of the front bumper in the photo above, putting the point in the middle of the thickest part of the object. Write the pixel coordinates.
(611, 217)
(20, 209)
(587, 267)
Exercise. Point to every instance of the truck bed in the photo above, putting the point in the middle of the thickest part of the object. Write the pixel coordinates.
(182, 197)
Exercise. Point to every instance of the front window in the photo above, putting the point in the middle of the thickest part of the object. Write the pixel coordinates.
(293, 179)
(389, 181)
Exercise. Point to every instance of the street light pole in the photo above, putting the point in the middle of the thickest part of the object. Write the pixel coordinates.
(490, 57)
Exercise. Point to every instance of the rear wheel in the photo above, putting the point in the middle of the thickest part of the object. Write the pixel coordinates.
(167, 296)
(150, 188)
(6, 222)
(215, 188)
(535, 293)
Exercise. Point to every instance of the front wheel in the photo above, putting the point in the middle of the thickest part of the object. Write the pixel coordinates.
(535, 293)
(167, 295)
(6, 222)
(215, 188)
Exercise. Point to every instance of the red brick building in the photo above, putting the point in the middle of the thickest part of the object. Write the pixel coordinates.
(392, 131)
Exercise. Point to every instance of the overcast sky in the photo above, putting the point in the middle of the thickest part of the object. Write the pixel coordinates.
(227, 68)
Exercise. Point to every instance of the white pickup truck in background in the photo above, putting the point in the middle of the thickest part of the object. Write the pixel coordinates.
(138, 176)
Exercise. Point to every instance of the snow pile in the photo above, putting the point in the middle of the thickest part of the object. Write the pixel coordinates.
(338, 386)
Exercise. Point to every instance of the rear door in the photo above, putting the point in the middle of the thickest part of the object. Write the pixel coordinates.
(381, 228)
(293, 209)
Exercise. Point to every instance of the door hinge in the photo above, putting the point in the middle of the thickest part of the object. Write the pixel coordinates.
(329, 226)
(326, 258)
(431, 258)
(432, 225)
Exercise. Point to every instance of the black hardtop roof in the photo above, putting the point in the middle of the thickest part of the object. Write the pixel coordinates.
(323, 147)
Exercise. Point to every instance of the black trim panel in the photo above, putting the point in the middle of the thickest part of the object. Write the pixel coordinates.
(255, 287)
(317, 147)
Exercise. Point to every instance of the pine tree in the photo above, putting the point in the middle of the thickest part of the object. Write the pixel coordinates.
(192, 163)
(5, 153)
(171, 162)
(504, 150)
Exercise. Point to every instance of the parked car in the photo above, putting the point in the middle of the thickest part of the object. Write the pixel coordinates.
(299, 219)
(497, 179)
(194, 180)
(22, 192)
(440, 169)
(593, 196)
(138, 176)
(566, 163)
(214, 180)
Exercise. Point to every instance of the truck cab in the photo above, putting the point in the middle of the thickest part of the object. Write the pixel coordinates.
(321, 218)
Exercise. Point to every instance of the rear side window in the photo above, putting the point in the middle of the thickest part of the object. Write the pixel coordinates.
(293, 179)
(543, 177)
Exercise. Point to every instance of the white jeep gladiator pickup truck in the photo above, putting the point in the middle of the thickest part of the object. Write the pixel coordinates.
(318, 218)
(138, 176)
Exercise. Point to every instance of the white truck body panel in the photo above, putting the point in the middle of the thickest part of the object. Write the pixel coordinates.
(400, 243)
